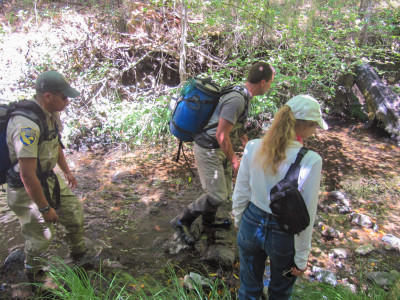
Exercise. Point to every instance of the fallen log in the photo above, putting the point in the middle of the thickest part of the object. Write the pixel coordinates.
(382, 103)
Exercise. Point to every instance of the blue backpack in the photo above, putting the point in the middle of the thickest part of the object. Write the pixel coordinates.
(195, 106)
(25, 108)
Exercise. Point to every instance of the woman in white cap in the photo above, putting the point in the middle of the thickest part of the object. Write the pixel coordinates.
(265, 162)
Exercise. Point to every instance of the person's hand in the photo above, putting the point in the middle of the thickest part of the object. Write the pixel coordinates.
(235, 165)
(297, 272)
(51, 216)
(244, 140)
(72, 183)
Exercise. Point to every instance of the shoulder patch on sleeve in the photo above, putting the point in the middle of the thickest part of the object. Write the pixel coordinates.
(28, 135)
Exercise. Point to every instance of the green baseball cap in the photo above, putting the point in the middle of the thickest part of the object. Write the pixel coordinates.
(52, 81)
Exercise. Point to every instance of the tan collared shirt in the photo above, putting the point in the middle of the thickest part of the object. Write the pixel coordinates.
(23, 137)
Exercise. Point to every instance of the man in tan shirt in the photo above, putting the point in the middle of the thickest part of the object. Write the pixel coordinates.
(39, 197)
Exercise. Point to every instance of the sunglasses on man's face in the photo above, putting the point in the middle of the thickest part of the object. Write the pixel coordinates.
(64, 98)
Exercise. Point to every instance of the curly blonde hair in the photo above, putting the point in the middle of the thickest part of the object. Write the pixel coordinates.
(278, 137)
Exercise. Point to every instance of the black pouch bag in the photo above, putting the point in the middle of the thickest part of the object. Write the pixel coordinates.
(287, 204)
(206, 141)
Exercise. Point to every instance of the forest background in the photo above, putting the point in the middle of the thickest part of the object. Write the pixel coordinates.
(126, 57)
(129, 57)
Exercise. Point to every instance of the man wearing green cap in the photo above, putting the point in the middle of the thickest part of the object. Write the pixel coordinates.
(39, 197)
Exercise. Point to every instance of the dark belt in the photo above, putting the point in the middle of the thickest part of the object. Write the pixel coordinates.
(13, 179)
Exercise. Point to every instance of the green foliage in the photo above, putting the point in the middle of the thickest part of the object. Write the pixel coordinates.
(76, 283)
(367, 188)
(357, 112)
(311, 60)
(310, 44)
(317, 291)
(396, 89)
(137, 122)
(262, 105)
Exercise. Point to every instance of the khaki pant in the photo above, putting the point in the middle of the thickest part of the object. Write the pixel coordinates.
(216, 178)
(38, 234)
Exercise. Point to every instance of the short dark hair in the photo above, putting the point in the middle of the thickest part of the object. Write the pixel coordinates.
(259, 71)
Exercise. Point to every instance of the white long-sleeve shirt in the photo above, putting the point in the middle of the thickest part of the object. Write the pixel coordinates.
(253, 184)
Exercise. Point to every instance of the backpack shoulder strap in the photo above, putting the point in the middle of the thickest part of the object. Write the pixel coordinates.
(234, 88)
(31, 111)
(227, 89)
(293, 173)
(239, 89)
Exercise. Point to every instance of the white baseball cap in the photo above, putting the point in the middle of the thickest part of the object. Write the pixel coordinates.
(305, 107)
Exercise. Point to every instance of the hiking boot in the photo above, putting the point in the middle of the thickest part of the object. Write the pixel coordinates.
(210, 234)
(184, 232)
(86, 259)
(217, 223)
(36, 277)
(42, 281)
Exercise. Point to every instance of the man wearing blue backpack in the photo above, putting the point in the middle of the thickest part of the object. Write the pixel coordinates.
(39, 197)
(214, 154)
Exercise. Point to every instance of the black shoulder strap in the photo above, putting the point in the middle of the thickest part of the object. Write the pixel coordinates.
(300, 155)
(242, 91)
(225, 90)
(246, 99)
(234, 88)
(293, 173)
(32, 111)
(237, 88)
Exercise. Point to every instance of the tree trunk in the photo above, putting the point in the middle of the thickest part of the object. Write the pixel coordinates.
(365, 13)
(184, 25)
(365, 5)
(382, 103)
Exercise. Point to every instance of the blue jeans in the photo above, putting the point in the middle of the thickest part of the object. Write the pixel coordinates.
(259, 237)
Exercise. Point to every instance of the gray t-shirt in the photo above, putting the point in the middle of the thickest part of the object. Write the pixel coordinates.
(231, 107)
